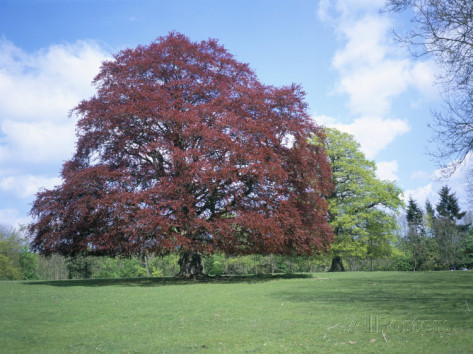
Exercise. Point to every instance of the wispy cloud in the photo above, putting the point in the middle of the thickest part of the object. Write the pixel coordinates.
(26, 186)
(421, 194)
(372, 72)
(374, 133)
(37, 90)
(11, 217)
(386, 170)
(458, 182)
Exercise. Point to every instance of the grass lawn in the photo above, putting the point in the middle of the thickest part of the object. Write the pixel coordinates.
(324, 312)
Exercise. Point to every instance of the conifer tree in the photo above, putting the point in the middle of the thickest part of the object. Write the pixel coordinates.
(447, 232)
(416, 242)
(447, 206)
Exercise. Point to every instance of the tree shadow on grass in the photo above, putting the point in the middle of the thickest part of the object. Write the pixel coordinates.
(162, 281)
(439, 296)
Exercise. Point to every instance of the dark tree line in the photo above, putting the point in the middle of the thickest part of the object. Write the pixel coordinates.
(440, 237)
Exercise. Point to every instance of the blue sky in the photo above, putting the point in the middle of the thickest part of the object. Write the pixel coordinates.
(341, 51)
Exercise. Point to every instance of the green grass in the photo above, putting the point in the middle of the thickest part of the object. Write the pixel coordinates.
(356, 312)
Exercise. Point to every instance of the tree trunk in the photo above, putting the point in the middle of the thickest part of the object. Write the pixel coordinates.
(145, 258)
(271, 260)
(337, 265)
(190, 265)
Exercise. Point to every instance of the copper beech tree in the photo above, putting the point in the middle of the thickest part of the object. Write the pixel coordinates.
(183, 150)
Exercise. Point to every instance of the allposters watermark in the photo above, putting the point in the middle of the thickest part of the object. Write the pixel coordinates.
(386, 324)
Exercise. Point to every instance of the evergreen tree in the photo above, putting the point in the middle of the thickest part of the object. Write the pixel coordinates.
(414, 214)
(429, 210)
(415, 240)
(447, 206)
(429, 218)
(447, 233)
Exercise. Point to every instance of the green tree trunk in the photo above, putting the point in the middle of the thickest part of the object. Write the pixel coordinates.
(190, 265)
(337, 264)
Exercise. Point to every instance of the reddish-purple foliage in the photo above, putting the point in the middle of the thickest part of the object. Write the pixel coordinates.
(182, 149)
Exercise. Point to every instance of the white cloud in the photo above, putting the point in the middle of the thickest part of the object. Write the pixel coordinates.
(11, 217)
(372, 72)
(421, 194)
(37, 91)
(330, 10)
(371, 89)
(422, 77)
(365, 42)
(48, 83)
(27, 186)
(373, 133)
(323, 10)
(457, 182)
(37, 142)
(386, 170)
(324, 120)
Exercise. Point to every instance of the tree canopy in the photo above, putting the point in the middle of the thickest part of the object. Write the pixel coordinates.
(415, 239)
(361, 206)
(447, 206)
(183, 150)
(447, 227)
(414, 214)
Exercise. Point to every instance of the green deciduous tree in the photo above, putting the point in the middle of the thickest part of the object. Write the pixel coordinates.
(79, 267)
(10, 246)
(466, 250)
(28, 264)
(362, 206)
(16, 260)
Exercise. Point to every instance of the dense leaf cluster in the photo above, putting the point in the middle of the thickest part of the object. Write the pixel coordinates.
(362, 207)
(440, 238)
